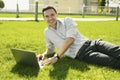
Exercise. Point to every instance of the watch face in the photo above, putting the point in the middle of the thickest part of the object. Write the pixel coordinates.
(56, 55)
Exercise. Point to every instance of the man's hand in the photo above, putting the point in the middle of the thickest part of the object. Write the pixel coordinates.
(40, 57)
(48, 61)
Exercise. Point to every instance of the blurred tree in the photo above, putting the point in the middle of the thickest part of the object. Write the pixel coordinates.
(1, 4)
(102, 3)
(99, 2)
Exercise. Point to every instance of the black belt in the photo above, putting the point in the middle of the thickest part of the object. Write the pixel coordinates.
(81, 52)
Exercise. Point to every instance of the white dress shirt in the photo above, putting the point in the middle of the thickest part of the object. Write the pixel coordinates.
(65, 28)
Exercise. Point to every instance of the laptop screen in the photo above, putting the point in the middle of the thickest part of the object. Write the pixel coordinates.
(25, 57)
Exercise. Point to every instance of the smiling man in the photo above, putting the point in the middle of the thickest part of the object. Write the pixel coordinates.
(63, 34)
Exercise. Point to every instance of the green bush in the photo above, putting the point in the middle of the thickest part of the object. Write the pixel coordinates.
(1, 4)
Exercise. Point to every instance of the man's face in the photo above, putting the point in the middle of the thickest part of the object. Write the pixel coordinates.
(51, 17)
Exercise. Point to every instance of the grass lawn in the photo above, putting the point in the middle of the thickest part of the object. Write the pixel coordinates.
(40, 16)
(28, 35)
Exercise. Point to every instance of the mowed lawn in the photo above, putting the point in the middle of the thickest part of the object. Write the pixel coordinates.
(29, 35)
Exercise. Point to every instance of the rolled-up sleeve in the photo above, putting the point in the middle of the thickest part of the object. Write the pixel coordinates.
(71, 30)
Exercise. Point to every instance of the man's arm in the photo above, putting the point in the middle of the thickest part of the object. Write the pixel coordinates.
(48, 51)
(41, 56)
(66, 44)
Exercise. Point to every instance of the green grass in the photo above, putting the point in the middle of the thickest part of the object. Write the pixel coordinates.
(40, 16)
(28, 35)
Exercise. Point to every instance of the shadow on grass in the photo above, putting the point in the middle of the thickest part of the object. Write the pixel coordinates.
(62, 67)
(1, 23)
(25, 71)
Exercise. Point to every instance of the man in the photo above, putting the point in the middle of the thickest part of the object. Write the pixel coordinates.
(64, 35)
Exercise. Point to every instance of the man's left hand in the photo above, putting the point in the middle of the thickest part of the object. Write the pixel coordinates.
(48, 61)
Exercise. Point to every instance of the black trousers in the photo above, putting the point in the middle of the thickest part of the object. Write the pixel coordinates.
(101, 53)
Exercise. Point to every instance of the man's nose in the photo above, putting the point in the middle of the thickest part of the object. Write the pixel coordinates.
(50, 18)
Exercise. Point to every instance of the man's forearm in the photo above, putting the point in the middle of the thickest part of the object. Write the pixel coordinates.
(48, 52)
(66, 44)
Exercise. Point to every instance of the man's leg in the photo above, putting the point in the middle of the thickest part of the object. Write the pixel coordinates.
(108, 48)
(102, 53)
(101, 59)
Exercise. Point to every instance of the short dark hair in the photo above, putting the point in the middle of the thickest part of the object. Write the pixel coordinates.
(48, 7)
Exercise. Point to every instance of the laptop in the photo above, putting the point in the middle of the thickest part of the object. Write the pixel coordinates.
(24, 57)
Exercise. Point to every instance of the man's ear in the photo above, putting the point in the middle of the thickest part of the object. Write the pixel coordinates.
(57, 15)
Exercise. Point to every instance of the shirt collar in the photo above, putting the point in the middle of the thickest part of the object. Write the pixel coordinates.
(58, 25)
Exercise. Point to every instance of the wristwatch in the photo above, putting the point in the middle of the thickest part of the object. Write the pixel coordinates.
(56, 55)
